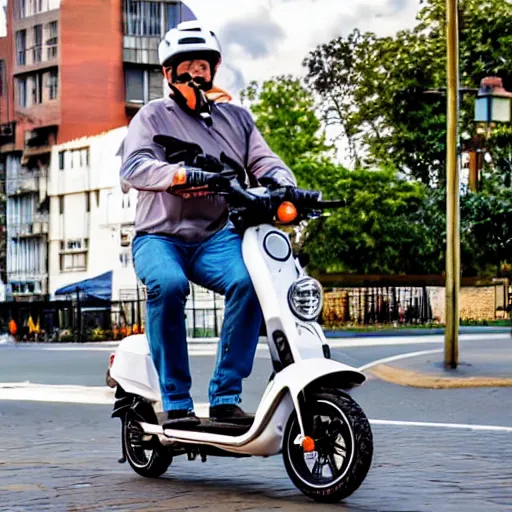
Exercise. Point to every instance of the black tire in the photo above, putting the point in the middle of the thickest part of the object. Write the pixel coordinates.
(334, 417)
(148, 458)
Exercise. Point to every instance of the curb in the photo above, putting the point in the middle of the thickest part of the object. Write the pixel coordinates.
(409, 378)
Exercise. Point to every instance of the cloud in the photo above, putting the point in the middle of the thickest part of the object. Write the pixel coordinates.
(257, 36)
(265, 38)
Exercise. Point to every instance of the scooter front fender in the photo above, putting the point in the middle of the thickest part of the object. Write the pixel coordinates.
(310, 373)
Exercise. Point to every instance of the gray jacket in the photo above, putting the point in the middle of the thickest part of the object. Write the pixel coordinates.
(145, 168)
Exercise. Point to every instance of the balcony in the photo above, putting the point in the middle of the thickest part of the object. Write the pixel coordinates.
(37, 226)
(26, 182)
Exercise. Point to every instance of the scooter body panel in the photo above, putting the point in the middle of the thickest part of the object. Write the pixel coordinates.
(134, 370)
(269, 259)
(280, 399)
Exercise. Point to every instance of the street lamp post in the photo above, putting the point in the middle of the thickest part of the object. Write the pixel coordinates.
(451, 352)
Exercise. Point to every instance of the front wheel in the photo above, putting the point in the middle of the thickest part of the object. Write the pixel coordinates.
(145, 454)
(343, 447)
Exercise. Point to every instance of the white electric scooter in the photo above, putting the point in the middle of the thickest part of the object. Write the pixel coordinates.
(305, 412)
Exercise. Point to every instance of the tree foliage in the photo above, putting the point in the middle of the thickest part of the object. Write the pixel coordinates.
(377, 88)
(284, 112)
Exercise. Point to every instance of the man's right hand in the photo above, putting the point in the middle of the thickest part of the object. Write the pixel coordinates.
(194, 182)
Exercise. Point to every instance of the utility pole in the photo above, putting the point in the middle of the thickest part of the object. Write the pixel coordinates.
(452, 286)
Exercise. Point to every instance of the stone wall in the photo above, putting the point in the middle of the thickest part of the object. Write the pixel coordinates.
(475, 302)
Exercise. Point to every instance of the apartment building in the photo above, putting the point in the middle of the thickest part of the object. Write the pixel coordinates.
(69, 69)
(91, 220)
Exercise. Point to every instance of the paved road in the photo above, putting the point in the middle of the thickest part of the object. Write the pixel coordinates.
(62, 457)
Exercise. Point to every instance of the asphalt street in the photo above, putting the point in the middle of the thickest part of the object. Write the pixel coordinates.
(62, 456)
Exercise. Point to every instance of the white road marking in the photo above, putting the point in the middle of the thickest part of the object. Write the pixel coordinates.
(398, 357)
(377, 341)
(27, 391)
(102, 395)
(441, 425)
(210, 344)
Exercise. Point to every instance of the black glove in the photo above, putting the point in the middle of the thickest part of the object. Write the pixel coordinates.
(275, 182)
(197, 182)
(226, 166)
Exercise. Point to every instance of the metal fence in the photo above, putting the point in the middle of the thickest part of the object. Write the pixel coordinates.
(80, 321)
(377, 305)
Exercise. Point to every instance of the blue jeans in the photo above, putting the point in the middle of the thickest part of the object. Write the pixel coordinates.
(165, 265)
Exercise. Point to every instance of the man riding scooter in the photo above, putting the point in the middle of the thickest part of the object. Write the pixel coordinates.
(189, 237)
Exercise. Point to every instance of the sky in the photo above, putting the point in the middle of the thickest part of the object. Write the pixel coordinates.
(265, 38)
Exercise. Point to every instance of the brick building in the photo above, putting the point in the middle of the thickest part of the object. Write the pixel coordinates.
(68, 69)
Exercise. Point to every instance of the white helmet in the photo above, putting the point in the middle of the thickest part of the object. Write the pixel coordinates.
(190, 37)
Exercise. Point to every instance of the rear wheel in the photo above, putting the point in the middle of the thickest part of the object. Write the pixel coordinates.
(343, 447)
(144, 453)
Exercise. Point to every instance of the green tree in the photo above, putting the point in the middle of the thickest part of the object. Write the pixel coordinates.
(377, 88)
(381, 230)
(284, 112)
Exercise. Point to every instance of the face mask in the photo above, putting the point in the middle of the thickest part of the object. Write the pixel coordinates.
(189, 95)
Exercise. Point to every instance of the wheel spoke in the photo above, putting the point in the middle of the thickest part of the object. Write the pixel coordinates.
(342, 450)
(331, 462)
(317, 469)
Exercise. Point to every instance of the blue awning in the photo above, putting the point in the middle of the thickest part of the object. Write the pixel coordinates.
(99, 287)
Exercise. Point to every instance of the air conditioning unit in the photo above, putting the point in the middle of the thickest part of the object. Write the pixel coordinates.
(6, 130)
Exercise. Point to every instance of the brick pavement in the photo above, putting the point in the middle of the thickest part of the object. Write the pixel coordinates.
(69, 464)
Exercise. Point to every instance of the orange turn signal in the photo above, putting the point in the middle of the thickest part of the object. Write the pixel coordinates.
(308, 444)
(287, 212)
(180, 177)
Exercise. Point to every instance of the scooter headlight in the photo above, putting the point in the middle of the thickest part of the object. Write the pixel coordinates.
(305, 297)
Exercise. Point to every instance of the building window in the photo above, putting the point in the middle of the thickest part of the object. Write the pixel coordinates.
(20, 9)
(156, 84)
(84, 157)
(61, 205)
(22, 91)
(62, 155)
(79, 158)
(53, 84)
(142, 18)
(36, 6)
(143, 85)
(87, 201)
(37, 49)
(73, 262)
(21, 47)
(37, 88)
(74, 244)
(173, 15)
(73, 254)
(52, 41)
(134, 85)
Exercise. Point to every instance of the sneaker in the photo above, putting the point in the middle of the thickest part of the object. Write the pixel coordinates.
(230, 413)
(181, 418)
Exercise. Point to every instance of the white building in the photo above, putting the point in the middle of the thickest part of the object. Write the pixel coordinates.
(91, 226)
(91, 220)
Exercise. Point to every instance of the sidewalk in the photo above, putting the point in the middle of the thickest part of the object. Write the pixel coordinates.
(478, 367)
(416, 332)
